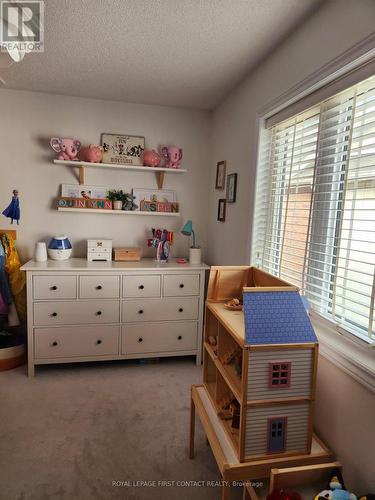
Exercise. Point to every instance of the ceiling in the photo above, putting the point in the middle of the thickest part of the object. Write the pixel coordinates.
(170, 52)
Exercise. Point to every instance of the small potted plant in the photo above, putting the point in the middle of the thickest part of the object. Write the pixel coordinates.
(121, 200)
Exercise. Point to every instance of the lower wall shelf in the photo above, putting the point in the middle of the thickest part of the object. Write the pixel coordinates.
(118, 212)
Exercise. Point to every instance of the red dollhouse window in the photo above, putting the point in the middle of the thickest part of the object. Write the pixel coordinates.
(279, 374)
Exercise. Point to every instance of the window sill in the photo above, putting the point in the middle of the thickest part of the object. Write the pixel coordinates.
(355, 357)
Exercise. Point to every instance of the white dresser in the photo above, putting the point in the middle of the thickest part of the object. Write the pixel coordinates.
(89, 311)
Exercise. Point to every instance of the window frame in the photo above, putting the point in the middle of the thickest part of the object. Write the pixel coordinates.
(351, 354)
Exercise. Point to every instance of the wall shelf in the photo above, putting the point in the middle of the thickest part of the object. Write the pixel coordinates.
(159, 171)
(118, 212)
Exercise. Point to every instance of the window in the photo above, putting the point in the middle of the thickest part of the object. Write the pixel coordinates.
(277, 434)
(279, 374)
(314, 221)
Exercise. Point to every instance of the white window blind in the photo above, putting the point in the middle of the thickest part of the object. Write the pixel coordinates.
(314, 221)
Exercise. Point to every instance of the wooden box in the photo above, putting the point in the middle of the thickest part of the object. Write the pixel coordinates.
(307, 480)
(127, 254)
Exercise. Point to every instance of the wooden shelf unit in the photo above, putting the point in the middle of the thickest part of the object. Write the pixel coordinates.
(223, 446)
(243, 370)
(81, 165)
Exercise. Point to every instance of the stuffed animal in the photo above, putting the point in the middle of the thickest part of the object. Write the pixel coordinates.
(67, 148)
(336, 489)
(171, 155)
(284, 495)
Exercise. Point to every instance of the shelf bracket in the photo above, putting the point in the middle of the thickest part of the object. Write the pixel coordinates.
(81, 175)
(160, 179)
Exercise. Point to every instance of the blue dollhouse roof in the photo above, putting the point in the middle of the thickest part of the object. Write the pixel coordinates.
(276, 318)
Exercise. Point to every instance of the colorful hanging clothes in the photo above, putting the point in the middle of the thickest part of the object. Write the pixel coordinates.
(13, 211)
(17, 278)
(5, 290)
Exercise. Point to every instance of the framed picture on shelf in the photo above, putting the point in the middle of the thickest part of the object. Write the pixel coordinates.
(220, 174)
(153, 195)
(231, 188)
(122, 149)
(221, 209)
(83, 191)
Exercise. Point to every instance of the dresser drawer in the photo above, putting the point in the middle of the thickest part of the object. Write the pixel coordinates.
(159, 337)
(141, 286)
(160, 309)
(65, 342)
(99, 287)
(69, 313)
(54, 287)
(176, 285)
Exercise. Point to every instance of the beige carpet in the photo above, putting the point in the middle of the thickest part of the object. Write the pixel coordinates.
(71, 431)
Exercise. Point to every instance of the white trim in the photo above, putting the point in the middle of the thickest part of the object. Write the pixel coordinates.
(355, 357)
(361, 53)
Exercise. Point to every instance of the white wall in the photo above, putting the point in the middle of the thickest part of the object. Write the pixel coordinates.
(336, 27)
(28, 120)
(344, 409)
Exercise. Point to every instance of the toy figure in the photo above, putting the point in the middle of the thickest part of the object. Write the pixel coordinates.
(336, 489)
(68, 148)
(171, 155)
(12, 211)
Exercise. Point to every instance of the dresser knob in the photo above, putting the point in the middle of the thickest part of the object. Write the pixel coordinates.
(99, 313)
(54, 287)
(54, 343)
(99, 341)
(140, 339)
(141, 287)
(54, 314)
(99, 287)
(180, 310)
(140, 311)
(182, 285)
(179, 337)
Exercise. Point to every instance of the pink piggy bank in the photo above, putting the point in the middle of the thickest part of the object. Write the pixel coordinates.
(92, 153)
(67, 148)
(172, 156)
(151, 158)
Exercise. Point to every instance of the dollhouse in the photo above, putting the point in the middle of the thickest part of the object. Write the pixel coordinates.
(260, 363)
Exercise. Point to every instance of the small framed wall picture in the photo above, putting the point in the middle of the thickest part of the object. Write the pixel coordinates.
(231, 188)
(221, 209)
(220, 174)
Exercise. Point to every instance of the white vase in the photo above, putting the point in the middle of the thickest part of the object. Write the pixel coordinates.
(195, 255)
(117, 205)
(40, 252)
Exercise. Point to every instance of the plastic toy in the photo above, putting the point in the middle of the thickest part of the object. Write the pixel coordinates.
(151, 158)
(284, 495)
(68, 149)
(368, 496)
(171, 155)
(12, 211)
(336, 489)
(92, 153)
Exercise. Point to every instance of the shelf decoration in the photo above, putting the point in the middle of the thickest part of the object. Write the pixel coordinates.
(122, 149)
(82, 203)
(161, 240)
(158, 206)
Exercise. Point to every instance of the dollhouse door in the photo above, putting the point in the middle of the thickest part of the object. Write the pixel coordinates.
(277, 434)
